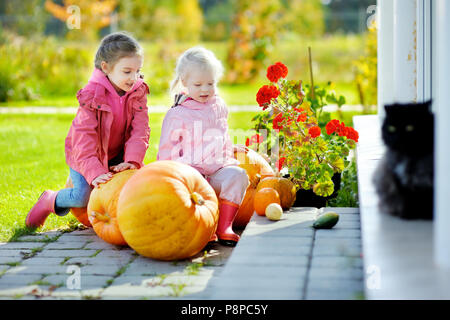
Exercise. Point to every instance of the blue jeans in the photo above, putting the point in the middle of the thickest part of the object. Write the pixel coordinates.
(76, 197)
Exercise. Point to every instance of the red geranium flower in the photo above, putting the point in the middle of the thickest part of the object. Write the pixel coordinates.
(283, 68)
(342, 130)
(247, 142)
(301, 117)
(278, 119)
(275, 122)
(352, 134)
(276, 71)
(314, 132)
(266, 94)
(332, 126)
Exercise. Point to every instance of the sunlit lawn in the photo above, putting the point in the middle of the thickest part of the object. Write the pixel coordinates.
(232, 94)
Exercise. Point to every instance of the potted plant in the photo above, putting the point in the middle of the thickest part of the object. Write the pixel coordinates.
(299, 139)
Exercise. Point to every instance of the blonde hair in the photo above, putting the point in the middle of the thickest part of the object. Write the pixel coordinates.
(195, 57)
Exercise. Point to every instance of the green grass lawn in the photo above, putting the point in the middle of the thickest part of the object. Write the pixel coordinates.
(33, 160)
(232, 94)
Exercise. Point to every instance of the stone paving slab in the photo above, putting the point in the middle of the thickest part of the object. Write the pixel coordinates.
(21, 245)
(67, 253)
(86, 281)
(11, 280)
(14, 253)
(8, 260)
(326, 273)
(286, 259)
(43, 261)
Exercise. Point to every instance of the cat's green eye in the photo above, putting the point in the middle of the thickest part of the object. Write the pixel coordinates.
(409, 128)
(391, 128)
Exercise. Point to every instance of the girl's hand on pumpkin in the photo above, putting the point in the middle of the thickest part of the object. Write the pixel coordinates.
(122, 167)
(102, 179)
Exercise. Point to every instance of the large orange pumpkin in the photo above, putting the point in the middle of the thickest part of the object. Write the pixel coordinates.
(102, 208)
(79, 213)
(254, 164)
(167, 211)
(285, 188)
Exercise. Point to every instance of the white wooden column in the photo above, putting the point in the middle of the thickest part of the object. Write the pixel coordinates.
(424, 60)
(385, 24)
(405, 55)
(442, 146)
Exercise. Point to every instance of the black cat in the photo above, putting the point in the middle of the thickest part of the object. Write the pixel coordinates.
(404, 177)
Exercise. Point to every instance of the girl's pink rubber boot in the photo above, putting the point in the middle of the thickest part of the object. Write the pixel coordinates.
(227, 213)
(42, 208)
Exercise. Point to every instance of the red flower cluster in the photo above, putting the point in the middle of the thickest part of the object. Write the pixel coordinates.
(314, 132)
(278, 119)
(266, 94)
(352, 134)
(276, 71)
(254, 139)
(301, 117)
(334, 126)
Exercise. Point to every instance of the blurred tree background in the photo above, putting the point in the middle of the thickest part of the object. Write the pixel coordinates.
(44, 54)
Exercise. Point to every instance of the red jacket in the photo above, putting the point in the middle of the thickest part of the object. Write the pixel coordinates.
(86, 145)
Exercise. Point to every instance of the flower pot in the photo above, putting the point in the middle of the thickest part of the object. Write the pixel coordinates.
(307, 198)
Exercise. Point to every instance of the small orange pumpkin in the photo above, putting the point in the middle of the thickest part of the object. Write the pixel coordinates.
(263, 198)
(102, 208)
(285, 188)
(167, 211)
(79, 213)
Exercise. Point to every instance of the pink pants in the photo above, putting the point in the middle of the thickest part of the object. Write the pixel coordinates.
(230, 183)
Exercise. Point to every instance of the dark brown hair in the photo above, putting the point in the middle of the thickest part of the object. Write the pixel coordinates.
(116, 46)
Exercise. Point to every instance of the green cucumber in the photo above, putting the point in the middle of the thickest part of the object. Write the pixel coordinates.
(326, 221)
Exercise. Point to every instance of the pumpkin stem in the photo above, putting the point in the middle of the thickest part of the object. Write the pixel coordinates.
(197, 198)
(256, 181)
(102, 217)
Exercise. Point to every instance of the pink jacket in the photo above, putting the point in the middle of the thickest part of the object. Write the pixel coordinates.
(196, 133)
(86, 145)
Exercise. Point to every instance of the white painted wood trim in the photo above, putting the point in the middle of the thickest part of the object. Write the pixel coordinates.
(385, 19)
(405, 55)
(442, 146)
(423, 50)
